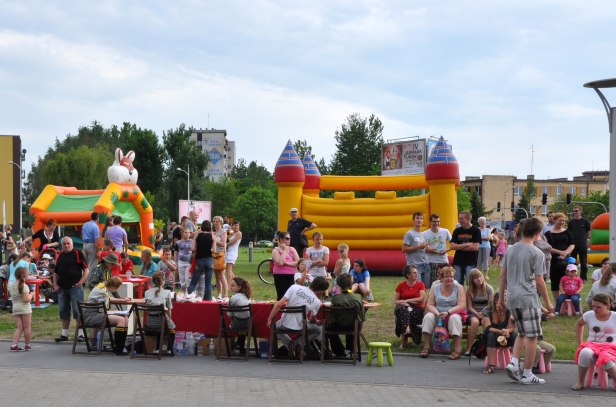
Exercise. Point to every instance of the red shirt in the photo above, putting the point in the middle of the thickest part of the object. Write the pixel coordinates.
(571, 284)
(115, 270)
(406, 292)
(128, 266)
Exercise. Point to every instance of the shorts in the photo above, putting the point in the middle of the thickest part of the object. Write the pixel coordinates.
(527, 321)
(67, 302)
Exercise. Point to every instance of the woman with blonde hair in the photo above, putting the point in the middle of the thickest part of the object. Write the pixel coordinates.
(478, 296)
(606, 285)
(220, 237)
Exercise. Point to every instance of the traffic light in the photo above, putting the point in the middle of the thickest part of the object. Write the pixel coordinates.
(512, 206)
(498, 207)
(544, 198)
(568, 199)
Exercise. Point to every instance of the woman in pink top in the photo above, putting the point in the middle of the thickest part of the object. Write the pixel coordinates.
(285, 260)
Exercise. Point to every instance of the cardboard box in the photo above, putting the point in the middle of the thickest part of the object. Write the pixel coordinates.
(203, 346)
(220, 342)
(149, 343)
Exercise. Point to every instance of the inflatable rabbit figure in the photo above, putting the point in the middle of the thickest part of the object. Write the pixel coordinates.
(122, 170)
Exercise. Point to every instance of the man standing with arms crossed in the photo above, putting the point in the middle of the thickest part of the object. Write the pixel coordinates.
(522, 273)
(296, 228)
(436, 238)
(580, 230)
(90, 235)
(71, 273)
(465, 240)
(414, 247)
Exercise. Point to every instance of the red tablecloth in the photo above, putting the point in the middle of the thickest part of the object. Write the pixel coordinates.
(204, 317)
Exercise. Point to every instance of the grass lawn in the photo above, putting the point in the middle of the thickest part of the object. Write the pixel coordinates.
(380, 321)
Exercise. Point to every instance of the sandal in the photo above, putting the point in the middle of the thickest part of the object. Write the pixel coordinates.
(577, 387)
(455, 355)
(424, 353)
(489, 370)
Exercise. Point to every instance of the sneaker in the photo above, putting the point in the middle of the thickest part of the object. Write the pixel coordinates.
(370, 297)
(16, 348)
(225, 299)
(531, 380)
(556, 313)
(62, 338)
(513, 372)
(81, 339)
(28, 347)
(219, 297)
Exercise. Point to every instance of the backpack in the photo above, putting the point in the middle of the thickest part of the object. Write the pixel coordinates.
(479, 348)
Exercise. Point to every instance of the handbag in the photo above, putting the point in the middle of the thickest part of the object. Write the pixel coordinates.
(440, 338)
(219, 261)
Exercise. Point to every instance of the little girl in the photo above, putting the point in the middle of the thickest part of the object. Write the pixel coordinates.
(361, 280)
(157, 295)
(22, 310)
(342, 266)
(302, 277)
(242, 291)
(501, 248)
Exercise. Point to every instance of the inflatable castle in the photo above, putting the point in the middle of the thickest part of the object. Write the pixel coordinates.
(372, 227)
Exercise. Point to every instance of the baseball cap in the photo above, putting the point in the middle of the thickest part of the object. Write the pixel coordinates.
(46, 256)
(571, 267)
(293, 210)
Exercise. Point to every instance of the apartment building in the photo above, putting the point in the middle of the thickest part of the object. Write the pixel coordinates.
(219, 149)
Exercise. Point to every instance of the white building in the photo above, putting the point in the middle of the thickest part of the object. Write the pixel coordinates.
(221, 151)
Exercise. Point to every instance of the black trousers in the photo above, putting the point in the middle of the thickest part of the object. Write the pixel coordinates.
(582, 253)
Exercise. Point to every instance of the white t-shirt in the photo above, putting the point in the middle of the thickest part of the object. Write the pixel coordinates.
(314, 255)
(596, 275)
(437, 241)
(600, 331)
(298, 275)
(298, 295)
(414, 238)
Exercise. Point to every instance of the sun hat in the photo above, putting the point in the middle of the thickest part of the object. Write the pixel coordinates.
(111, 258)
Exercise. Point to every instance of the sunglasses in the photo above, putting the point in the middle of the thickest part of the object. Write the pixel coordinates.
(287, 238)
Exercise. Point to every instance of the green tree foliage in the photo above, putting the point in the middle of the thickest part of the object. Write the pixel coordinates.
(149, 155)
(81, 167)
(181, 151)
(302, 148)
(256, 209)
(590, 209)
(477, 208)
(222, 195)
(527, 194)
(464, 200)
(253, 174)
(358, 146)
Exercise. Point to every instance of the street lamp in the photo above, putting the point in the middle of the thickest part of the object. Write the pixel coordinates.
(611, 119)
(187, 172)
(20, 193)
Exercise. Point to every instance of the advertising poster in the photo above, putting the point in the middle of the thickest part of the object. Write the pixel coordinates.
(404, 158)
(203, 209)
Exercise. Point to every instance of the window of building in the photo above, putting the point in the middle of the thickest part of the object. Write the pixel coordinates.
(558, 190)
(533, 210)
(517, 191)
(545, 190)
(571, 190)
(544, 210)
(583, 192)
(199, 136)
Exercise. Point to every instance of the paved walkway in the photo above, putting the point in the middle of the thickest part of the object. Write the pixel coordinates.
(55, 376)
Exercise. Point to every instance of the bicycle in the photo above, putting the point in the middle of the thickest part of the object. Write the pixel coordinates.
(266, 273)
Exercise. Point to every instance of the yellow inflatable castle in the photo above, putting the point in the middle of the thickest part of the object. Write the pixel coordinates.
(372, 227)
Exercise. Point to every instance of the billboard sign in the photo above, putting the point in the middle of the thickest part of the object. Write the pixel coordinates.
(203, 209)
(404, 158)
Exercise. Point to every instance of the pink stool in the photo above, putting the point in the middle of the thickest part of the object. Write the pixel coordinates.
(567, 308)
(542, 366)
(602, 378)
(503, 357)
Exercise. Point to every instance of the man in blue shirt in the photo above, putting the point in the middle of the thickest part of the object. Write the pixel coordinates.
(90, 234)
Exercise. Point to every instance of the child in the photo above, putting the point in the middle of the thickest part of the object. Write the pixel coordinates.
(570, 288)
(109, 248)
(239, 320)
(22, 310)
(318, 256)
(501, 249)
(342, 266)
(148, 267)
(184, 258)
(302, 277)
(548, 349)
(361, 280)
(126, 265)
(158, 295)
(43, 265)
(167, 266)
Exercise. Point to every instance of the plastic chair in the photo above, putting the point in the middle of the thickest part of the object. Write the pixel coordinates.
(148, 311)
(543, 367)
(602, 377)
(503, 357)
(379, 346)
(567, 308)
(224, 331)
(302, 333)
(330, 327)
(105, 326)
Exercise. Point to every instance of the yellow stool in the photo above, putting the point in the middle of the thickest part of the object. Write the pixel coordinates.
(379, 346)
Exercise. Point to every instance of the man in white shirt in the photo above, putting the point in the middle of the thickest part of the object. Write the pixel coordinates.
(437, 238)
(296, 296)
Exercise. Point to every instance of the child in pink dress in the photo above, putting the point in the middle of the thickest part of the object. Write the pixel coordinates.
(571, 287)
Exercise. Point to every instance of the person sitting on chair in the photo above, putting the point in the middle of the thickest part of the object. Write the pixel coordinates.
(158, 295)
(296, 296)
(346, 298)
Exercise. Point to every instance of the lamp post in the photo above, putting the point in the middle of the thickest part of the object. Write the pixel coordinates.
(611, 119)
(187, 172)
(20, 193)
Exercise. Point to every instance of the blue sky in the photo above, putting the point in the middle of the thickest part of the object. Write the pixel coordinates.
(492, 77)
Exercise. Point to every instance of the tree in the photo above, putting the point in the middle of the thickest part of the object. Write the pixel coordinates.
(527, 194)
(591, 204)
(149, 155)
(464, 200)
(253, 174)
(302, 148)
(222, 194)
(358, 146)
(477, 208)
(81, 167)
(256, 209)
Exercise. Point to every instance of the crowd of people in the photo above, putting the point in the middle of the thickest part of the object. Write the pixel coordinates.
(433, 293)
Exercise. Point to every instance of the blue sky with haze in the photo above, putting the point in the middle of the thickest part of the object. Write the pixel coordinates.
(492, 77)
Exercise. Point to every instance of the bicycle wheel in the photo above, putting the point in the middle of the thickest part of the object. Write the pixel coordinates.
(264, 270)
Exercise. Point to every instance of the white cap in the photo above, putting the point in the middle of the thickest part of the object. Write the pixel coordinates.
(293, 210)
(46, 256)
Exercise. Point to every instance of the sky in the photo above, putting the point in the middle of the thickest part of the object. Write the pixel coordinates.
(501, 81)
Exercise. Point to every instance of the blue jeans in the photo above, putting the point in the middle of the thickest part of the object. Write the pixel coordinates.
(424, 273)
(575, 299)
(460, 276)
(67, 302)
(205, 266)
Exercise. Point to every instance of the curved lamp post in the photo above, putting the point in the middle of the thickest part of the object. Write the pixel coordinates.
(187, 172)
(611, 118)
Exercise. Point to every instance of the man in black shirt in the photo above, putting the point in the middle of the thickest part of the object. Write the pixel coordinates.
(580, 230)
(465, 240)
(71, 273)
(296, 228)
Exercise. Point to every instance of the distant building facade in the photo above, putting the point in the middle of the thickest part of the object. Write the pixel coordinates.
(507, 188)
(219, 149)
